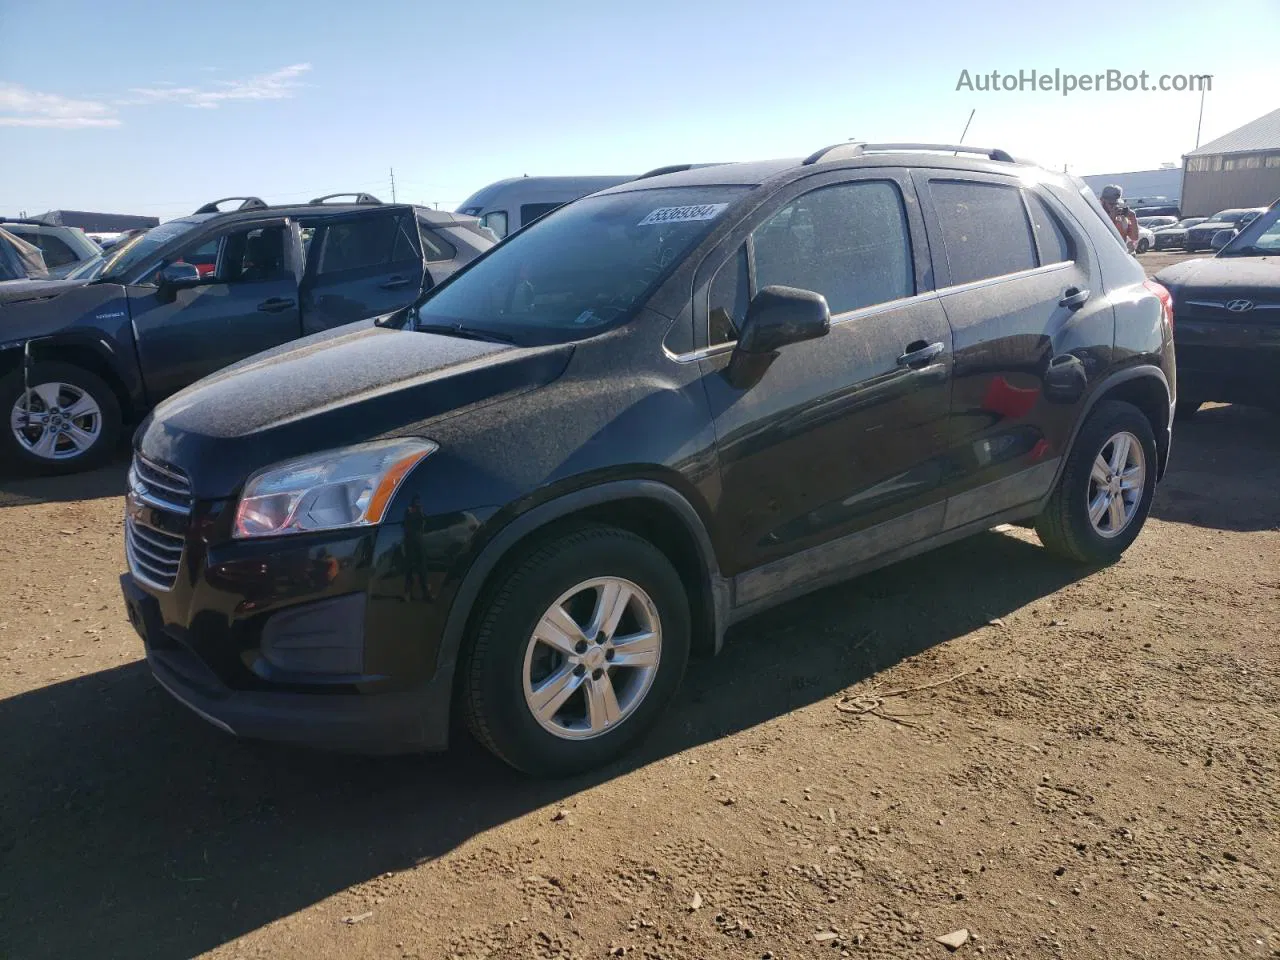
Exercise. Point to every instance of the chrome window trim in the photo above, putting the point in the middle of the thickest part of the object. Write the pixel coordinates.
(705, 353)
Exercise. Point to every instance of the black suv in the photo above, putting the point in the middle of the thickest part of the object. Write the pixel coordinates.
(654, 412)
(81, 356)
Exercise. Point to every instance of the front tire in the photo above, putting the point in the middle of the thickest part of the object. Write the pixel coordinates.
(1143, 246)
(1105, 491)
(69, 419)
(577, 649)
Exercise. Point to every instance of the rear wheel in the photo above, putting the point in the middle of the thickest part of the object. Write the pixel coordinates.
(66, 419)
(1143, 245)
(1104, 495)
(578, 649)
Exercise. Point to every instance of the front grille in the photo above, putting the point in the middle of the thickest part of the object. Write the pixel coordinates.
(158, 494)
(167, 487)
(155, 556)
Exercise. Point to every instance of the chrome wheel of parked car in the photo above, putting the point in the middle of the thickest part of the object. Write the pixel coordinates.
(56, 421)
(592, 658)
(1116, 484)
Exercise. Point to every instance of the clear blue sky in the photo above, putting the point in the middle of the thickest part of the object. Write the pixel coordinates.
(154, 108)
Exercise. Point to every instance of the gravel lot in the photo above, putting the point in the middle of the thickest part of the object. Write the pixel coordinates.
(1065, 764)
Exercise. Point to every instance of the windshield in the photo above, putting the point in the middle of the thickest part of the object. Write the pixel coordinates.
(580, 269)
(121, 259)
(1261, 238)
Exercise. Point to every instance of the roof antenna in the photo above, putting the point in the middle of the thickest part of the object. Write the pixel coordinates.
(960, 142)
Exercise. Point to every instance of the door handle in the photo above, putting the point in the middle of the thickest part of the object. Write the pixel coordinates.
(920, 353)
(395, 282)
(1073, 298)
(276, 305)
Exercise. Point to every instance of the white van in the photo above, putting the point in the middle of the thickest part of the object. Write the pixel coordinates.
(506, 206)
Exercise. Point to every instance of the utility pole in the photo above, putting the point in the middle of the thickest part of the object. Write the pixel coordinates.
(393, 184)
(1200, 122)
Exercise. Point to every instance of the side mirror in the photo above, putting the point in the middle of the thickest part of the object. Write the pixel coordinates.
(1222, 238)
(179, 275)
(777, 316)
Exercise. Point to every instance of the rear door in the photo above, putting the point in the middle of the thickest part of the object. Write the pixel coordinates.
(247, 303)
(360, 265)
(1022, 290)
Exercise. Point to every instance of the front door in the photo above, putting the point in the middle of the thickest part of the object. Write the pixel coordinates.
(246, 302)
(833, 455)
(361, 265)
(1022, 289)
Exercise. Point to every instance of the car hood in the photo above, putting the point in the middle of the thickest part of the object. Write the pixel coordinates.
(353, 384)
(1215, 225)
(16, 291)
(1224, 278)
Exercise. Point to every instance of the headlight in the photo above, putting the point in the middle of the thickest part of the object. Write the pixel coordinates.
(350, 487)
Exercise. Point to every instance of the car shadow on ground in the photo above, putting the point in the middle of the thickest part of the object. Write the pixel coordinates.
(22, 489)
(1223, 471)
(129, 827)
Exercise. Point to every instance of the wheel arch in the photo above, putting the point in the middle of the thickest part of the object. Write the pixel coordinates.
(651, 509)
(1146, 387)
(86, 353)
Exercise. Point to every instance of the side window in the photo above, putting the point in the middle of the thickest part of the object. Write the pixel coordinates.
(249, 255)
(728, 300)
(849, 242)
(496, 221)
(55, 250)
(406, 245)
(1053, 241)
(434, 246)
(530, 212)
(359, 243)
(204, 257)
(985, 232)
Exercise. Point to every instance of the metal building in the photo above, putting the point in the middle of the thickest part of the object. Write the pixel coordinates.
(1142, 184)
(1240, 169)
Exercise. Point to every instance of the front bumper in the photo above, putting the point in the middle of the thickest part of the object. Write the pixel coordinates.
(380, 723)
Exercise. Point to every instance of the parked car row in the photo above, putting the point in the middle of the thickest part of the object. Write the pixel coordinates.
(83, 355)
(520, 501)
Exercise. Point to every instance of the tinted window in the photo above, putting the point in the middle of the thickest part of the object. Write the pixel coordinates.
(496, 220)
(848, 242)
(985, 232)
(359, 243)
(1055, 246)
(55, 250)
(583, 270)
(728, 299)
(530, 212)
(406, 245)
(434, 246)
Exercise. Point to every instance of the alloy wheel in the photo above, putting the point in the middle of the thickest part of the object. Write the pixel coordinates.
(592, 658)
(1116, 484)
(56, 421)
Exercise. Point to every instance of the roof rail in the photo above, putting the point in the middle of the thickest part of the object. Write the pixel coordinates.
(359, 197)
(674, 168)
(847, 151)
(249, 203)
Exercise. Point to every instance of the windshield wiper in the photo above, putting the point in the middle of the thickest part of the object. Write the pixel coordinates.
(466, 333)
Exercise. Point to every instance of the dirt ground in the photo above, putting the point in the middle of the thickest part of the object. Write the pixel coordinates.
(1065, 764)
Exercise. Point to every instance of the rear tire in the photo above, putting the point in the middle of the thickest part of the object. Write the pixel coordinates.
(557, 590)
(1103, 467)
(1143, 246)
(73, 419)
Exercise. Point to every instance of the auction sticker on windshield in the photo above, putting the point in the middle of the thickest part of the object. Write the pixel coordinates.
(699, 211)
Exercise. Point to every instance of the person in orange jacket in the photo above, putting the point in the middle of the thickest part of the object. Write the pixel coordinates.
(1126, 220)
